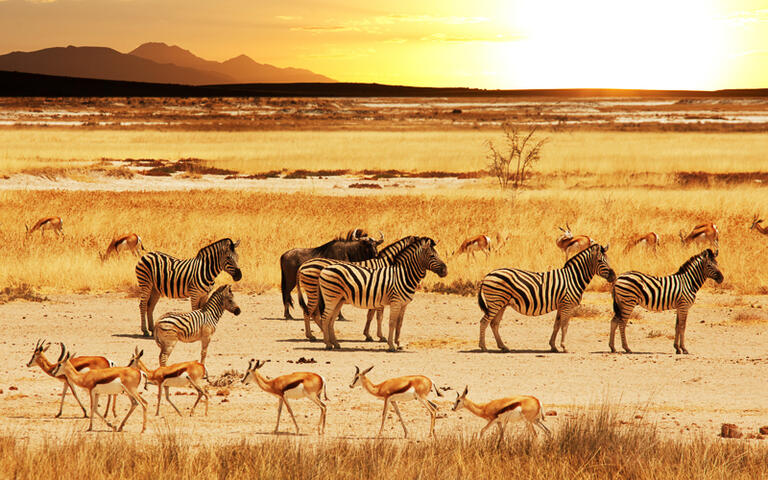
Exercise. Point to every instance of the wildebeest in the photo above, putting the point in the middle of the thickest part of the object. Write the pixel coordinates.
(348, 251)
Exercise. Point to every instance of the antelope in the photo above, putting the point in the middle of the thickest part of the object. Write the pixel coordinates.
(502, 411)
(294, 386)
(81, 364)
(481, 243)
(185, 374)
(128, 242)
(49, 223)
(705, 232)
(571, 245)
(649, 240)
(400, 389)
(107, 381)
(756, 226)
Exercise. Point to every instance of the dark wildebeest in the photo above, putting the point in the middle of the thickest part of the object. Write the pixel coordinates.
(348, 251)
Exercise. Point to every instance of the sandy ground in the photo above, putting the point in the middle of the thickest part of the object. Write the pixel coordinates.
(722, 380)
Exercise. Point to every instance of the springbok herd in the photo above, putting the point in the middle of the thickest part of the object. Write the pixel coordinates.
(351, 269)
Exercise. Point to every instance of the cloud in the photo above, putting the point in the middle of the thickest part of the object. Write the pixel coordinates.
(378, 24)
(748, 17)
(443, 37)
(288, 18)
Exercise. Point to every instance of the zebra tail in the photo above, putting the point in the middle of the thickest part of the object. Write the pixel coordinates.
(480, 300)
(320, 302)
(616, 307)
(302, 303)
(284, 288)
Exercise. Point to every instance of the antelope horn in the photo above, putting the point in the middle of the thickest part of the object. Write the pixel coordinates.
(63, 351)
(250, 364)
(466, 390)
(357, 370)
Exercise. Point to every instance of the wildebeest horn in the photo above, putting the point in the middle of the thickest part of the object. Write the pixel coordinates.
(381, 235)
(561, 229)
(235, 245)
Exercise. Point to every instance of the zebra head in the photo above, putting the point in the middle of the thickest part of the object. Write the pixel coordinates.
(429, 258)
(40, 348)
(596, 260)
(459, 403)
(230, 258)
(710, 267)
(228, 300)
(250, 373)
(357, 380)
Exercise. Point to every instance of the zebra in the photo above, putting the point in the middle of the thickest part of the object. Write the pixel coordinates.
(537, 293)
(309, 276)
(676, 291)
(195, 325)
(368, 288)
(160, 274)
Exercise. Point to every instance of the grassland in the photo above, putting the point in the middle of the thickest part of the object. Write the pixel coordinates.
(592, 445)
(42, 150)
(269, 224)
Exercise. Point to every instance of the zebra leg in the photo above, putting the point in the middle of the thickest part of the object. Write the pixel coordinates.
(495, 329)
(204, 341)
(555, 329)
(394, 315)
(367, 329)
(682, 318)
(614, 324)
(565, 317)
(379, 320)
(144, 295)
(329, 332)
(483, 326)
(154, 296)
(308, 328)
(166, 347)
(399, 326)
(623, 330)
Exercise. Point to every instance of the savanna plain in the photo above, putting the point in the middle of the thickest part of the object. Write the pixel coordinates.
(652, 414)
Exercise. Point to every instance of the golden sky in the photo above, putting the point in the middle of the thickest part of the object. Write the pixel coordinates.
(670, 44)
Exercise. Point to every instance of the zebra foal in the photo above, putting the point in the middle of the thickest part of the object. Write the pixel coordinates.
(676, 291)
(394, 285)
(160, 274)
(537, 293)
(197, 325)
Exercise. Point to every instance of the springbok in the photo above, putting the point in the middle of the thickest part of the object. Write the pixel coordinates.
(702, 233)
(480, 243)
(756, 226)
(570, 244)
(650, 240)
(81, 364)
(129, 242)
(49, 223)
(502, 411)
(107, 381)
(294, 386)
(399, 389)
(185, 374)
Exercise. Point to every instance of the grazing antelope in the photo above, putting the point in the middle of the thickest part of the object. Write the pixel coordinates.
(159, 274)
(677, 291)
(49, 223)
(571, 245)
(502, 411)
(294, 386)
(129, 242)
(480, 243)
(185, 374)
(650, 240)
(394, 285)
(107, 381)
(81, 364)
(756, 226)
(197, 325)
(537, 293)
(400, 389)
(308, 278)
(703, 233)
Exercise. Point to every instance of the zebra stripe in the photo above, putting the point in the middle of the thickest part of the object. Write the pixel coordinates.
(308, 278)
(159, 274)
(676, 291)
(393, 285)
(537, 293)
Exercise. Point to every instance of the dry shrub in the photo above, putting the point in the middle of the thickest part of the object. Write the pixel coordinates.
(21, 291)
(456, 287)
(366, 185)
(593, 444)
(750, 316)
(587, 311)
(226, 379)
(655, 334)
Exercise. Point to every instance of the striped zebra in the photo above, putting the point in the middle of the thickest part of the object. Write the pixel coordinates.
(537, 293)
(367, 288)
(195, 325)
(160, 274)
(676, 291)
(308, 279)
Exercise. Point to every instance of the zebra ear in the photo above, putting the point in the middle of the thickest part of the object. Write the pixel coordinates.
(234, 245)
(607, 246)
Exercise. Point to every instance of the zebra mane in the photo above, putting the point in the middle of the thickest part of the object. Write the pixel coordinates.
(409, 240)
(215, 245)
(415, 246)
(691, 261)
(582, 253)
(216, 293)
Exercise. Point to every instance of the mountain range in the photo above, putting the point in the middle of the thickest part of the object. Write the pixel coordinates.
(152, 62)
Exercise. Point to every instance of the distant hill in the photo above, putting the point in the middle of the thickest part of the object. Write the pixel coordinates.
(105, 64)
(241, 69)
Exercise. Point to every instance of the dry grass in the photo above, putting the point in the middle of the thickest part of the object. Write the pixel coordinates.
(594, 444)
(750, 316)
(20, 292)
(580, 152)
(268, 224)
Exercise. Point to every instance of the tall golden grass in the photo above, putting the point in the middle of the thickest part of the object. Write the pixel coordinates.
(592, 445)
(34, 150)
(268, 224)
